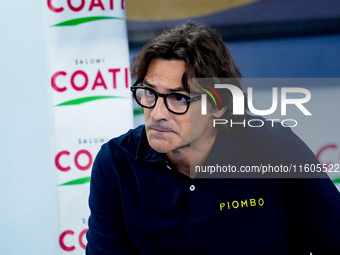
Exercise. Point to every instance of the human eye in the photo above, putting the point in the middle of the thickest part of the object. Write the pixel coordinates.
(177, 98)
(149, 93)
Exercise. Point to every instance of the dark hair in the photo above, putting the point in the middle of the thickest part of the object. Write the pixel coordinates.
(200, 47)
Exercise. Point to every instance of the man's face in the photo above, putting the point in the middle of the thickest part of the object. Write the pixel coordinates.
(167, 131)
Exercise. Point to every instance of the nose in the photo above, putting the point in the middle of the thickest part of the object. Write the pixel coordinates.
(159, 111)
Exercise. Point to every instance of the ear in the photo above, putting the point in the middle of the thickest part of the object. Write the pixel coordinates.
(217, 113)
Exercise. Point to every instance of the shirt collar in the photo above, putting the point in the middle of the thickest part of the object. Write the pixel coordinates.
(144, 151)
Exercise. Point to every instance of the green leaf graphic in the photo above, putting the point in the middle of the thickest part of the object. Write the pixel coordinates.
(87, 99)
(336, 180)
(138, 111)
(74, 22)
(77, 182)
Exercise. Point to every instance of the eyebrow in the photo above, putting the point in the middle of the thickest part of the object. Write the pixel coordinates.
(178, 89)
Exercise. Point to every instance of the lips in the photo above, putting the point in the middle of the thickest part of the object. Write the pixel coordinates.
(160, 129)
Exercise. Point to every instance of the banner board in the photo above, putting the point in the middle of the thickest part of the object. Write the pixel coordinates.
(88, 77)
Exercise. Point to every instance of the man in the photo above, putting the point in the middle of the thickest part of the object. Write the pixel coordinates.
(145, 200)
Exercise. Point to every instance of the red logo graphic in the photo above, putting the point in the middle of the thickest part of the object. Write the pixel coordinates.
(65, 242)
(98, 81)
(66, 167)
(327, 149)
(76, 7)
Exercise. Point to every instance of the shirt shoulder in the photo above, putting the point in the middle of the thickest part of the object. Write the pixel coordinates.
(127, 143)
(113, 154)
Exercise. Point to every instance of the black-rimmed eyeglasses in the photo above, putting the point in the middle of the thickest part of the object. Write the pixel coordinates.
(175, 102)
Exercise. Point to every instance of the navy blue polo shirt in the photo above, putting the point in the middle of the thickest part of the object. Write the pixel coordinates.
(140, 204)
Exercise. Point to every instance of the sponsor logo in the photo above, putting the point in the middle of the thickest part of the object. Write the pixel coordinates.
(68, 240)
(85, 6)
(95, 140)
(330, 148)
(88, 61)
(80, 80)
(325, 155)
(81, 160)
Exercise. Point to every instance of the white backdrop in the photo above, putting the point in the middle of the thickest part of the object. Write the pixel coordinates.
(64, 92)
(29, 213)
